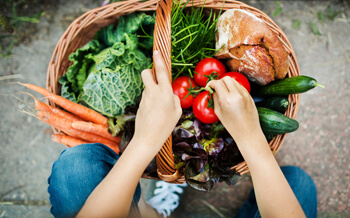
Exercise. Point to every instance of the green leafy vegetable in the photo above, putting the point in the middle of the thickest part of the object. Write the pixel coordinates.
(76, 74)
(141, 25)
(117, 82)
(110, 91)
(105, 73)
(115, 126)
(192, 37)
(65, 92)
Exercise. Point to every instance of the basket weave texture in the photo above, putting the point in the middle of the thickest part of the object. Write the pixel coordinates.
(84, 28)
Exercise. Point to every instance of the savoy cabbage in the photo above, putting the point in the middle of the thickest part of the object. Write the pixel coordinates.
(106, 72)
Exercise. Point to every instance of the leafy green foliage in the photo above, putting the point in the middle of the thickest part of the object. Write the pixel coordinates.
(5, 24)
(296, 24)
(65, 90)
(77, 72)
(332, 14)
(105, 72)
(117, 83)
(315, 29)
(320, 16)
(207, 152)
(8, 49)
(10, 23)
(133, 25)
(192, 37)
(278, 9)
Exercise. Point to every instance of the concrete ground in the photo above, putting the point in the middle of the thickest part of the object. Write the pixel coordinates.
(320, 146)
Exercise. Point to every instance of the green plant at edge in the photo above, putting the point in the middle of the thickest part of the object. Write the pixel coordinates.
(278, 9)
(320, 16)
(332, 14)
(296, 23)
(10, 23)
(315, 29)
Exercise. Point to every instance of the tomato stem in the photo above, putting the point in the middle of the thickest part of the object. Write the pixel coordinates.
(209, 89)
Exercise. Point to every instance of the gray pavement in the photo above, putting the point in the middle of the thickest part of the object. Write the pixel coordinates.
(320, 146)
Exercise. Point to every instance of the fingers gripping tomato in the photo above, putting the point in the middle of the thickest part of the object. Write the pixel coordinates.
(201, 111)
(205, 68)
(240, 78)
(181, 86)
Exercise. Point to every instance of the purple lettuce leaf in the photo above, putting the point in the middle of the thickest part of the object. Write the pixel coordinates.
(203, 176)
(190, 171)
(213, 146)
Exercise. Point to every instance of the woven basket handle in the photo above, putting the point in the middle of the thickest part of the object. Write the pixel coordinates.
(162, 42)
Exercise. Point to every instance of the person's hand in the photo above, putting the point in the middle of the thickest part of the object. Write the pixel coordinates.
(235, 108)
(237, 112)
(159, 109)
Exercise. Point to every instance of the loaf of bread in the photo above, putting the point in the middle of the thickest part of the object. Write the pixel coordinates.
(250, 47)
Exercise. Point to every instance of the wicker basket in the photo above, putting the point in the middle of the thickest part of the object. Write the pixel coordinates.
(84, 28)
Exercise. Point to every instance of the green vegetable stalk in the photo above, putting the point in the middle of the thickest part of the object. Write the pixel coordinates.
(192, 37)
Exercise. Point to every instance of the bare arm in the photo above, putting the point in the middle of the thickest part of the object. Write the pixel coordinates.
(158, 113)
(237, 112)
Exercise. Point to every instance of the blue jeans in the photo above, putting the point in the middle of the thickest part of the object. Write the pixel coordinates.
(75, 175)
(80, 169)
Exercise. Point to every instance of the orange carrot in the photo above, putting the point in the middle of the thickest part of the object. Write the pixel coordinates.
(65, 114)
(65, 125)
(90, 137)
(56, 121)
(77, 109)
(97, 129)
(41, 106)
(67, 140)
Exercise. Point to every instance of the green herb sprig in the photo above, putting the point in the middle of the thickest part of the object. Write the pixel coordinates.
(192, 37)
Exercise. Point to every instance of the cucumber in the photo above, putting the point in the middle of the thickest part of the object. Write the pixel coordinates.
(274, 123)
(291, 85)
(279, 104)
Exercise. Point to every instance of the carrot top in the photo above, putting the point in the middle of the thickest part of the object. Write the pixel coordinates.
(77, 109)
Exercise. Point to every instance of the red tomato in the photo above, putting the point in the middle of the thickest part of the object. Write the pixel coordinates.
(180, 88)
(200, 110)
(205, 68)
(240, 78)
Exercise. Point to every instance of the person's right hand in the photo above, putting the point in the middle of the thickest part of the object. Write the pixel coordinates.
(237, 112)
(235, 108)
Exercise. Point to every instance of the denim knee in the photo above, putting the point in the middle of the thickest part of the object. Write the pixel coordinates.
(75, 175)
(303, 187)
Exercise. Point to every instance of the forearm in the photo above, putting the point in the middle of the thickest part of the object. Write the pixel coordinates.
(113, 196)
(274, 196)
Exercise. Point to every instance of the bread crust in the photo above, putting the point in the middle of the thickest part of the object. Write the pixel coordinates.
(254, 61)
(238, 29)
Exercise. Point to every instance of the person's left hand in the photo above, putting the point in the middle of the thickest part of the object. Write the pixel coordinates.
(159, 109)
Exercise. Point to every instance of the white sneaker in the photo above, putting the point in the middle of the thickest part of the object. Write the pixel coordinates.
(165, 199)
